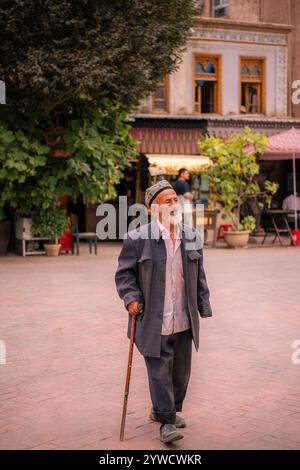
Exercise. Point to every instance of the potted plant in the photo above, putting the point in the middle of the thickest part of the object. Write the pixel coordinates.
(233, 179)
(50, 223)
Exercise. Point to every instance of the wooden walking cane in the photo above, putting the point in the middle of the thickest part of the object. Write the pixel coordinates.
(129, 366)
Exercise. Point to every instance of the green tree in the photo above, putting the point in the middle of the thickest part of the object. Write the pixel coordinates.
(54, 51)
(100, 149)
(232, 175)
(80, 64)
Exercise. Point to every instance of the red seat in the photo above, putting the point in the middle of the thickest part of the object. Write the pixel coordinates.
(66, 241)
(223, 228)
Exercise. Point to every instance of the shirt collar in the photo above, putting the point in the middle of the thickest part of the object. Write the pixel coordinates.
(164, 232)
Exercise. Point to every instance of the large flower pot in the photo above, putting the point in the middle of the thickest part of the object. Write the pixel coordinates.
(52, 249)
(236, 239)
(5, 229)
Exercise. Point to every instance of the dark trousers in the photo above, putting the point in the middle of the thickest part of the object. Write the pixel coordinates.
(169, 375)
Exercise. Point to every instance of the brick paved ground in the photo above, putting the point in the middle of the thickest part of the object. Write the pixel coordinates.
(64, 329)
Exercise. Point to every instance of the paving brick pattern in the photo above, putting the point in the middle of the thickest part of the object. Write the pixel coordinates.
(64, 330)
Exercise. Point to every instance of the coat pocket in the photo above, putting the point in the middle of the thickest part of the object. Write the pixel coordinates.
(145, 257)
(193, 255)
(193, 258)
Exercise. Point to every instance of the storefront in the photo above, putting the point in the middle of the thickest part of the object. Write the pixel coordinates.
(169, 146)
(166, 144)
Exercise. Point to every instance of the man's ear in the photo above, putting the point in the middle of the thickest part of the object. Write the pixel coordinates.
(154, 209)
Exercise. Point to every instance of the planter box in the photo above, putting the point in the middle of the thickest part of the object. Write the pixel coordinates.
(23, 232)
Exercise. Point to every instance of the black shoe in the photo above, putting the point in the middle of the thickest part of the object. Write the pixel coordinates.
(169, 433)
(179, 423)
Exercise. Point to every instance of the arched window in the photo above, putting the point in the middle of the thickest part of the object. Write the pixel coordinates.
(252, 86)
(207, 84)
(160, 98)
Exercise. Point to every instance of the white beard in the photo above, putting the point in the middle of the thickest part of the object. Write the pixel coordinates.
(175, 219)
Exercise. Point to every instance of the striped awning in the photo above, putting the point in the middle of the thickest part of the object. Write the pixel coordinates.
(167, 141)
(283, 146)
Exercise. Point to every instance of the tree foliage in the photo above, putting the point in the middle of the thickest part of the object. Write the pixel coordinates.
(100, 147)
(79, 64)
(53, 51)
(232, 175)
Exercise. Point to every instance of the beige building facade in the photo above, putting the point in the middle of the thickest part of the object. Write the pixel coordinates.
(240, 62)
(248, 37)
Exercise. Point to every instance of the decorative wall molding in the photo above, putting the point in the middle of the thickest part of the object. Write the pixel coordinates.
(281, 79)
(217, 34)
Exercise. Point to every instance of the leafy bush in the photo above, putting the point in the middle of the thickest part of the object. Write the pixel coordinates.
(248, 223)
(51, 223)
(21, 158)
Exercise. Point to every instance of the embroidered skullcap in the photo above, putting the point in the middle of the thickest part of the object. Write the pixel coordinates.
(154, 190)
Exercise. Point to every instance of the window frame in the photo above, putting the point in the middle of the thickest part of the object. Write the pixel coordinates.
(165, 109)
(215, 8)
(261, 82)
(218, 95)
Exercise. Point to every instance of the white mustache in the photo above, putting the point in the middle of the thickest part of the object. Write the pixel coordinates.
(174, 217)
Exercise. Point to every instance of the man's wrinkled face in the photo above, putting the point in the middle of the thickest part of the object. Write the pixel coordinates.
(166, 207)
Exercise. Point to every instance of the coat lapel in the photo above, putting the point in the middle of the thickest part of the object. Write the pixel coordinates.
(183, 254)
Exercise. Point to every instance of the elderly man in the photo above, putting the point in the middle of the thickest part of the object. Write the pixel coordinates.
(185, 197)
(161, 265)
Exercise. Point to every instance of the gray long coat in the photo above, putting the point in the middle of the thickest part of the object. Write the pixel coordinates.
(141, 276)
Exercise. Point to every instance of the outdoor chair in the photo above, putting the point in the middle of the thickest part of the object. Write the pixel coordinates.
(91, 237)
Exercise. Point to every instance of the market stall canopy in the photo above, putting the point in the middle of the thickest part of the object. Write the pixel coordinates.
(283, 146)
(169, 149)
(170, 164)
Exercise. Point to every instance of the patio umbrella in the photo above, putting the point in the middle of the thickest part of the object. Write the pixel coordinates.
(285, 146)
